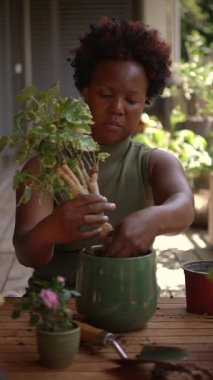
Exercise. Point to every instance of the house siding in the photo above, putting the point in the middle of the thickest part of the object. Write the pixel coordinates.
(55, 35)
(37, 36)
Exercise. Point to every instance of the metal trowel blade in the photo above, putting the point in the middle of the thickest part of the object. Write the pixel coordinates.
(161, 353)
(155, 354)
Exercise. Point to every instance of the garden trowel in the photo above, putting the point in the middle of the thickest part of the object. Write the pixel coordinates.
(149, 353)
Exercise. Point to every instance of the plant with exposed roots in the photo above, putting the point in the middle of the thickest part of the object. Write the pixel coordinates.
(58, 131)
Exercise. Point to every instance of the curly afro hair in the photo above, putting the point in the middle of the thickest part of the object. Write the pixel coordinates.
(127, 40)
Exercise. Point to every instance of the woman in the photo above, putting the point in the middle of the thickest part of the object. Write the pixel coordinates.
(119, 67)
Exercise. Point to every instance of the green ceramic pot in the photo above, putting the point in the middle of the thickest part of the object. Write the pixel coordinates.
(58, 349)
(117, 294)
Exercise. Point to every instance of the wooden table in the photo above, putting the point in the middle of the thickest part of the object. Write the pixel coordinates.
(171, 325)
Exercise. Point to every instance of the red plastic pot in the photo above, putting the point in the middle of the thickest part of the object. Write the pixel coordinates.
(199, 289)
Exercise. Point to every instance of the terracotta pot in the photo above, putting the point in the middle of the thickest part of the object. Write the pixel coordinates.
(57, 349)
(117, 294)
(199, 289)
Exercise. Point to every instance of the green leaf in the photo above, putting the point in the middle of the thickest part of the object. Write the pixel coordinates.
(86, 143)
(14, 140)
(75, 293)
(50, 129)
(57, 183)
(49, 94)
(76, 111)
(34, 319)
(25, 94)
(20, 118)
(23, 152)
(27, 194)
(65, 295)
(3, 142)
(103, 156)
(19, 177)
(25, 303)
(48, 160)
(210, 275)
(16, 314)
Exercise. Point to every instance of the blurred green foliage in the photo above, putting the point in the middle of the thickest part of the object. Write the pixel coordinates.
(190, 148)
(193, 79)
(196, 15)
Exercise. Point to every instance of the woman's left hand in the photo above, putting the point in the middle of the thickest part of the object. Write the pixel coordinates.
(134, 235)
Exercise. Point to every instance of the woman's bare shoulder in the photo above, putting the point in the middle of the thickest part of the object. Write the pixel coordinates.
(162, 158)
(32, 164)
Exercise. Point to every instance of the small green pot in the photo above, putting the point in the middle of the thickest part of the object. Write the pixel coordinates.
(58, 349)
(117, 294)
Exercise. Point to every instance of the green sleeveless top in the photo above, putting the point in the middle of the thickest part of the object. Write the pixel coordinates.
(124, 180)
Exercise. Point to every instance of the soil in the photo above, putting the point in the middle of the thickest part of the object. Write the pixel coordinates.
(167, 371)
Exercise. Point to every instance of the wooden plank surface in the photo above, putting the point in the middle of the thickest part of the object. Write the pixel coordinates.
(17, 279)
(171, 325)
(6, 261)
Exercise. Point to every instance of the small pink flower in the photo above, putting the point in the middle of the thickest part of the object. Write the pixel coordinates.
(49, 299)
(60, 279)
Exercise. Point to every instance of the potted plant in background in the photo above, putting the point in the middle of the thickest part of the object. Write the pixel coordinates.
(192, 86)
(199, 286)
(58, 336)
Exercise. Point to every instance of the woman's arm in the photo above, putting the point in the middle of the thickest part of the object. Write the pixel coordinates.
(173, 198)
(172, 213)
(38, 227)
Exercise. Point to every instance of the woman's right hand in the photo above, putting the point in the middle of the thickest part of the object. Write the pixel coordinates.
(80, 218)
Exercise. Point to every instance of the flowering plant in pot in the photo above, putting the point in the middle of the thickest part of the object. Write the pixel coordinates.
(58, 336)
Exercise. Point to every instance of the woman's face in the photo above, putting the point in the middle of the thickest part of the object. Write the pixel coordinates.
(116, 98)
